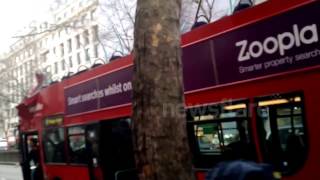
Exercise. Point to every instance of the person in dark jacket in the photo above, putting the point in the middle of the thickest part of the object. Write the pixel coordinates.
(34, 157)
(242, 170)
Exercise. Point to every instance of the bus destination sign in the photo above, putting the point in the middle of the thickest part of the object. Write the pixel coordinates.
(53, 121)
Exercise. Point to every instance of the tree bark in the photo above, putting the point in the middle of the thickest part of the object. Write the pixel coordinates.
(159, 125)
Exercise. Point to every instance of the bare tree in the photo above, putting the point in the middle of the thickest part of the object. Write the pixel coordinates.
(207, 9)
(13, 89)
(117, 33)
(10, 88)
(188, 15)
(160, 137)
(117, 25)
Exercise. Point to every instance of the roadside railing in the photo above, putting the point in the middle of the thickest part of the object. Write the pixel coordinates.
(9, 157)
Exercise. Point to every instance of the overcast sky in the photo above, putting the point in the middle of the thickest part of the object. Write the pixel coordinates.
(16, 14)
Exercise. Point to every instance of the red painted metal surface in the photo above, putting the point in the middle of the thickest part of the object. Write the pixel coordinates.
(66, 172)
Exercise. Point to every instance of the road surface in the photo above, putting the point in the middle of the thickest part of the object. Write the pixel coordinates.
(10, 172)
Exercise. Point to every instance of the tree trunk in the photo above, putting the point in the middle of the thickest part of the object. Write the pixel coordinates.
(159, 125)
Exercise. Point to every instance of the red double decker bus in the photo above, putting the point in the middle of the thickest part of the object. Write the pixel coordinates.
(251, 85)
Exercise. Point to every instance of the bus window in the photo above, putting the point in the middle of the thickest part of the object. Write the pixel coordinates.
(77, 145)
(53, 140)
(282, 131)
(219, 132)
(207, 138)
(116, 150)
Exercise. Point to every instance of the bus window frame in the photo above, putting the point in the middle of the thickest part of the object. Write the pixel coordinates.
(303, 114)
(205, 160)
(44, 131)
(68, 149)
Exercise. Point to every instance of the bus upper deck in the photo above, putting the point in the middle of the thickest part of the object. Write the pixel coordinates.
(251, 93)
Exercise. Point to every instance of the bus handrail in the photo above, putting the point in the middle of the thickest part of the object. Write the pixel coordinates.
(123, 171)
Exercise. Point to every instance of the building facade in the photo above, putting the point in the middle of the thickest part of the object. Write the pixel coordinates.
(69, 42)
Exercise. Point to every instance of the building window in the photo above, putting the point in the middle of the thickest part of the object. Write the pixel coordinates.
(61, 49)
(95, 49)
(93, 14)
(45, 57)
(78, 58)
(69, 46)
(87, 54)
(83, 19)
(86, 37)
(54, 51)
(60, 33)
(70, 62)
(27, 67)
(21, 83)
(78, 41)
(95, 33)
(56, 67)
(67, 30)
(24, 68)
(63, 65)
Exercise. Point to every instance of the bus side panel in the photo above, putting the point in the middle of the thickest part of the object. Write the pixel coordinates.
(67, 172)
(306, 82)
(201, 175)
(312, 109)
